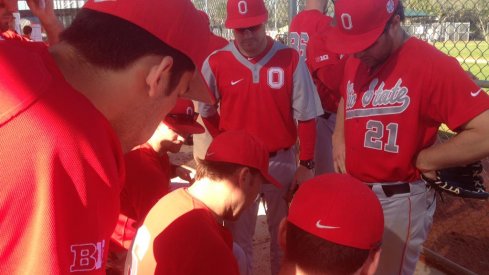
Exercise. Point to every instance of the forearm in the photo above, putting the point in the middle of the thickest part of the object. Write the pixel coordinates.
(307, 137)
(339, 129)
(470, 145)
(53, 30)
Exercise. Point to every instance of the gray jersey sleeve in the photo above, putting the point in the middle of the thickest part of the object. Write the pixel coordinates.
(305, 98)
(205, 109)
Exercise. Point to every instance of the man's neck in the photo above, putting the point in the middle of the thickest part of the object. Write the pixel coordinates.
(259, 51)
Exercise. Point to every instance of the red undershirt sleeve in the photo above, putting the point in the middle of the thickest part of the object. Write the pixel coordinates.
(307, 137)
(212, 124)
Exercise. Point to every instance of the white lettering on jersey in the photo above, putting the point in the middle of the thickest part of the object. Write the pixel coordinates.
(346, 21)
(275, 77)
(139, 248)
(299, 42)
(87, 257)
(242, 7)
(375, 134)
(377, 100)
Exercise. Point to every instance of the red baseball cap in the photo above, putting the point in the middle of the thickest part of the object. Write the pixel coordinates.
(176, 23)
(244, 14)
(240, 147)
(359, 23)
(183, 118)
(339, 209)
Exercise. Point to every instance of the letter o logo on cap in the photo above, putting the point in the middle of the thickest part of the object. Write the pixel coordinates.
(242, 7)
(346, 21)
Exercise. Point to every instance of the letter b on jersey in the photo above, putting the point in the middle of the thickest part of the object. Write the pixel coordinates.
(87, 257)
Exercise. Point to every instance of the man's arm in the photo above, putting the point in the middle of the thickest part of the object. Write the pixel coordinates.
(469, 145)
(339, 140)
(44, 10)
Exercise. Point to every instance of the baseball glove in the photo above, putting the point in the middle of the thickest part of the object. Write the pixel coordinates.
(463, 181)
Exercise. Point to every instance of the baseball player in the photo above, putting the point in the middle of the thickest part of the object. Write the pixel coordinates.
(148, 169)
(307, 37)
(68, 113)
(396, 92)
(334, 226)
(306, 23)
(42, 9)
(264, 88)
(183, 232)
(148, 174)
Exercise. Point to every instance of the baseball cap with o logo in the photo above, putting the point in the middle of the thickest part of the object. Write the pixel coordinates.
(183, 118)
(359, 23)
(171, 21)
(245, 13)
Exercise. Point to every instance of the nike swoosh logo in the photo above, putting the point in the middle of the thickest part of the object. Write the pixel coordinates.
(474, 94)
(320, 226)
(236, 82)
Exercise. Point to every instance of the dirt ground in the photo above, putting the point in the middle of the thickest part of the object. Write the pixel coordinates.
(460, 231)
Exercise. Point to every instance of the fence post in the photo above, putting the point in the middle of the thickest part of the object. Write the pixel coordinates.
(292, 9)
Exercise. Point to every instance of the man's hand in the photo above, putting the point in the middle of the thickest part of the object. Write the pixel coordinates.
(301, 174)
(339, 154)
(184, 174)
(44, 10)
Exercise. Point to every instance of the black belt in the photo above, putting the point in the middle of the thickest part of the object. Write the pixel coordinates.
(326, 115)
(393, 189)
(273, 154)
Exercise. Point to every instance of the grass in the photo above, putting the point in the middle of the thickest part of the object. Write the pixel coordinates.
(470, 52)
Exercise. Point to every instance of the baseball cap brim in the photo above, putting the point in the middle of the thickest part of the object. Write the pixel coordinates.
(246, 22)
(343, 43)
(199, 90)
(184, 127)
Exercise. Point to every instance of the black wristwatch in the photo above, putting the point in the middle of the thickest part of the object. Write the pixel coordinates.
(309, 164)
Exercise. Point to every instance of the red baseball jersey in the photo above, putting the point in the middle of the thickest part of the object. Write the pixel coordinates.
(394, 113)
(305, 24)
(62, 167)
(180, 235)
(327, 71)
(11, 35)
(147, 181)
(270, 92)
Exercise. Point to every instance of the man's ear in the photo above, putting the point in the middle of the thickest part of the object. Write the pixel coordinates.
(244, 178)
(282, 233)
(372, 262)
(158, 77)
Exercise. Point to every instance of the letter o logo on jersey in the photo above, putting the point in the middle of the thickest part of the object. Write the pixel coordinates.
(275, 77)
(346, 21)
(242, 7)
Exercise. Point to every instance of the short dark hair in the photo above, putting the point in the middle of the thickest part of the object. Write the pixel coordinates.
(113, 43)
(215, 170)
(319, 256)
(27, 29)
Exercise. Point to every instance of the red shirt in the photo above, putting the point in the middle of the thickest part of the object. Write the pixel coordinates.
(391, 115)
(303, 26)
(11, 35)
(62, 169)
(180, 235)
(147, 180)
(264, 97)
(327, 71)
